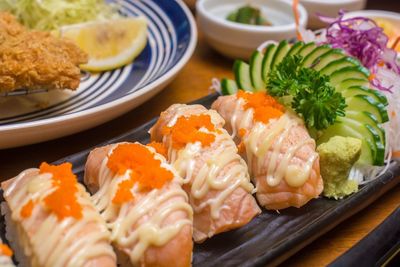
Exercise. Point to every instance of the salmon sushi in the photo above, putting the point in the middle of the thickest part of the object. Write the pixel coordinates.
(50, 220)
(277, 147)
(141, 198)
(215, 176)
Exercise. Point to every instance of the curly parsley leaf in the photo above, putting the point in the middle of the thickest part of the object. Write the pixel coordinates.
(283, 79)
(314, 98)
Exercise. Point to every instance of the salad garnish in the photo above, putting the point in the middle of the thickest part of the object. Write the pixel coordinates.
(363, 39)
(314, 98)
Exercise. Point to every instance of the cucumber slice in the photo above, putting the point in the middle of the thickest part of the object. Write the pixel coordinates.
(339, 64)
(371, 136)
(367, 118)
(382, 98)
(349, 72)
(342, 129)
(327, 58)
(255, 71)
(266, 63)
(306, 49)
(228, 87)
(359, 90)
(366, 103)
(380, 146)
(295, 48)
(280, 53)
(314, 55)
(350, 83)
(242, 75)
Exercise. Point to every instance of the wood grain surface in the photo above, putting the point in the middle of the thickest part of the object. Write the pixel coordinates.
(193, 82)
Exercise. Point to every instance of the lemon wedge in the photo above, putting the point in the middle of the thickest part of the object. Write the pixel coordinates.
(110, 44)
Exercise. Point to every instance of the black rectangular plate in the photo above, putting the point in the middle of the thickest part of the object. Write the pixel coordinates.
(271, 237)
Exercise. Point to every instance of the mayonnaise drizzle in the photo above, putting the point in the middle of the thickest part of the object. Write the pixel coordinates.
(160, 203)
(245, 121)
(62, 247)
(213, 174)
(262, 139)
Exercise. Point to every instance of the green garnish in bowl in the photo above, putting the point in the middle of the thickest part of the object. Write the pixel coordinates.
(248, 15)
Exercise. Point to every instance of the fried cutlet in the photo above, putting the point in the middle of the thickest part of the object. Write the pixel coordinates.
(36, 60)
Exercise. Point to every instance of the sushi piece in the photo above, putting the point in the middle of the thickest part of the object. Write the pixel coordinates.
(141, 198)
(215, 176)
(5, 255)
(277, 147)
(50, 220)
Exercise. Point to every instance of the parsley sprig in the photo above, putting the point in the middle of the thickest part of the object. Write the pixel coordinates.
(313, 97)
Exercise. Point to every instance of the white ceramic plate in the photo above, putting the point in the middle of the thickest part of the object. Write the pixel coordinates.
(101, 97)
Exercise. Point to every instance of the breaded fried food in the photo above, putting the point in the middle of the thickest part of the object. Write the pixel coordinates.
(36, 60)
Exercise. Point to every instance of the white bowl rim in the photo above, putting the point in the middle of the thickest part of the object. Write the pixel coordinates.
(373, 13)
(331, 3)
(130, 97)
(201, 10)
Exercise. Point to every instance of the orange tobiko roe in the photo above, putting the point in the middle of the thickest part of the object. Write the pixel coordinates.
(159, 147)
(123, 193)
(62, 201)
(241, 147)
(242, 132)
(144, 170)
(186, 130)
(265, 106)
(5, 250)
(26, 210)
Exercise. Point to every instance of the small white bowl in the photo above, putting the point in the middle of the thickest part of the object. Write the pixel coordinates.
(237, 40)
(329, 8)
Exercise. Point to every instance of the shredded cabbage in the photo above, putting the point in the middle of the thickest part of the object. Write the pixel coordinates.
(363, 39)
(51, 14)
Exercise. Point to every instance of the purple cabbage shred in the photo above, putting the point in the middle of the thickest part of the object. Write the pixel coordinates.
(361, 38)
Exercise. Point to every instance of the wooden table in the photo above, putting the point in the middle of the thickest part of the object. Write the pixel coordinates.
(192, 83)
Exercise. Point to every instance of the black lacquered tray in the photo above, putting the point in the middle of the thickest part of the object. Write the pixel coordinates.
(271, 237)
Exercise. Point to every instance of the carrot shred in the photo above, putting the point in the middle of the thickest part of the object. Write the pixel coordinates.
(5, 250)
(371, 76)
(187, 130)
(396, 154)
(26, 210)
(396, 43)
(62, 201)
(145, 170)
(265, 106)
(295, 6)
